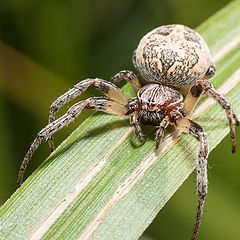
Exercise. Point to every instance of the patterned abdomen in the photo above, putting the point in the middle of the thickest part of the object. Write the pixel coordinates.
(172, 54)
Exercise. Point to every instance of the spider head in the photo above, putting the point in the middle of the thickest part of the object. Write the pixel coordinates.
(154, 102)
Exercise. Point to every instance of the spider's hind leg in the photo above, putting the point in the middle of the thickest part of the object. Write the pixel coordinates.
(109, 89)
(97, 103)
(192, 128)
(130, 77)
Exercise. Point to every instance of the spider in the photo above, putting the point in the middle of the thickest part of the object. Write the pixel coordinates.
(176, 64)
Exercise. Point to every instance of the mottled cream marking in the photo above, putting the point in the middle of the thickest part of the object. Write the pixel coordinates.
(179, 57)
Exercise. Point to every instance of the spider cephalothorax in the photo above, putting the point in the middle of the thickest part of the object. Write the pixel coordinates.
(157, 105)
(170, 59)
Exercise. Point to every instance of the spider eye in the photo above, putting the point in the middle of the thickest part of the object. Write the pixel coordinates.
(210, 72)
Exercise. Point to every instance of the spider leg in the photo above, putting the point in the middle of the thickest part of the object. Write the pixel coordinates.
(136, 126)
(196, 131)
(108, 88)
(192, 98)
(97, 103)
(133, 112)
(160, 132)
(210, 91)
(129, 76)
(196, 90)
(205, 86)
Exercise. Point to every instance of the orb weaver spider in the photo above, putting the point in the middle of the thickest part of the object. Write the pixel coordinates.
(169, 58)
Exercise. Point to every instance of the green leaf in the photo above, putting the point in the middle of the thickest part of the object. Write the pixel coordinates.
(99, 185)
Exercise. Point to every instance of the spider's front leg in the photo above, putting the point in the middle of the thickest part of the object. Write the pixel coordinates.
(136, 126)
(190, 127)
(133, 112)
(108, 88)
(130, 77)
(160, 132)
(97, 103)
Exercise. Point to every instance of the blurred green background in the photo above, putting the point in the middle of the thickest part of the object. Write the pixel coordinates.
(47, 46)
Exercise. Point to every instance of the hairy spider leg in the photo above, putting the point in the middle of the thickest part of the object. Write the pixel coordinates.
(196, 91)
(130, 77)
(211, 92)
(190, 127)
(97, 103)
(136, 126)
(108, 88)
(160, 132)
(192, 98)
(133, 112)
(206, 87)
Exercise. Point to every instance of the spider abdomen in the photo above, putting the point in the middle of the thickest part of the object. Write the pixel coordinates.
(172, 54)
